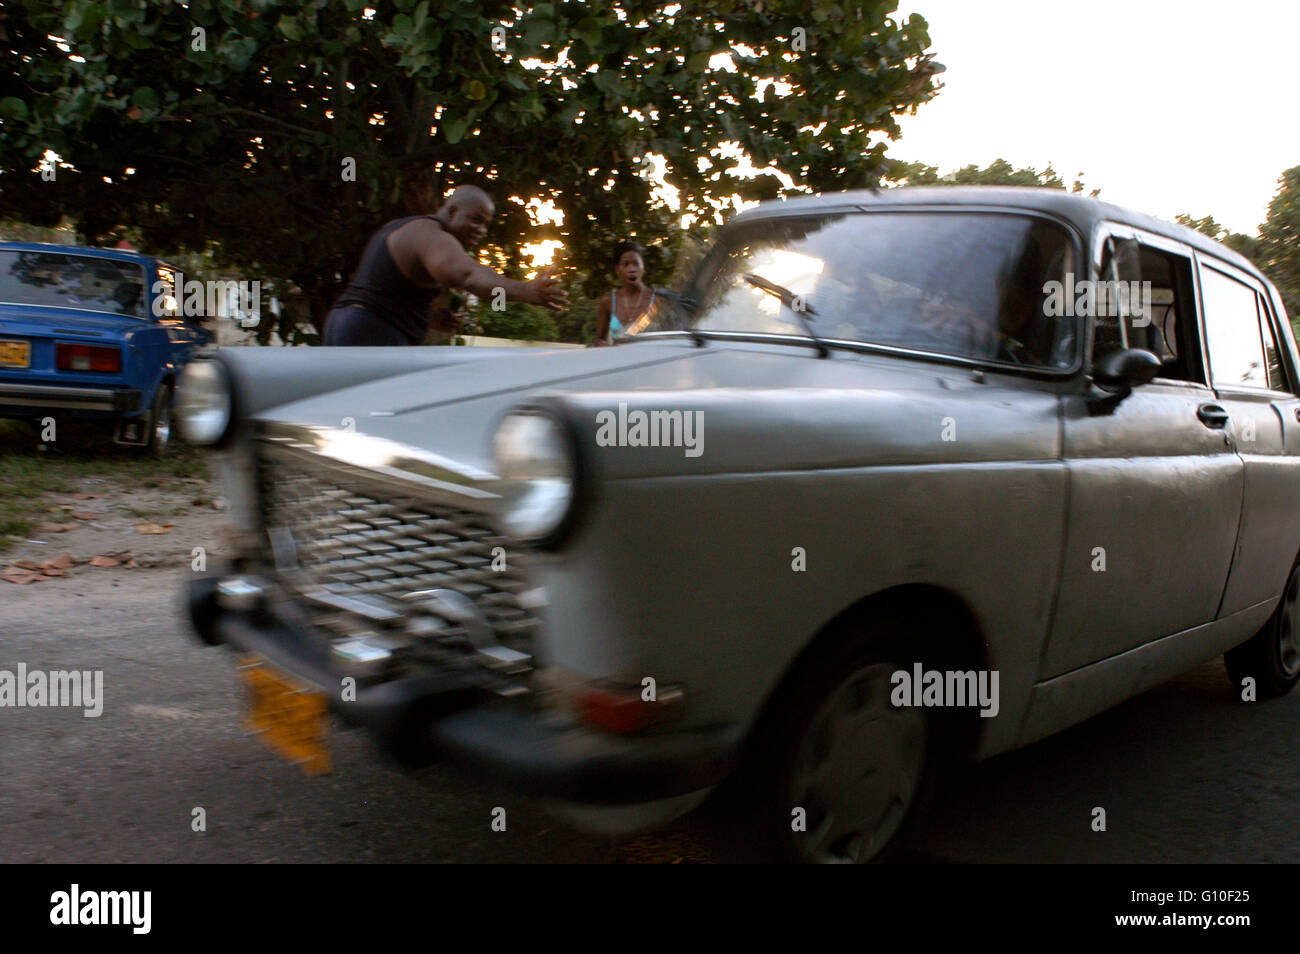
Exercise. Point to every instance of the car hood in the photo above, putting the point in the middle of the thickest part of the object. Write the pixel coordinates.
(751, 396)
(38, 322)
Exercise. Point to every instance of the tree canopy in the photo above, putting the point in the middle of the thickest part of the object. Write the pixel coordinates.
(1276, 251)
(997, 173)
(1247, 245)
(286, 132)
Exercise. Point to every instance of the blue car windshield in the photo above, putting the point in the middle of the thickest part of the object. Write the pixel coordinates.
(965, 283)
(68, 280)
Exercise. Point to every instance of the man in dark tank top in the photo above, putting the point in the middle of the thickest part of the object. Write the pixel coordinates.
(409, 262)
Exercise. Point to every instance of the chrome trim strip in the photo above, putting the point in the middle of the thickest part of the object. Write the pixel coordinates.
(361, 607)
(860, 347)
(412, 469)
(53, 396)
(62, 405)
(54, 390)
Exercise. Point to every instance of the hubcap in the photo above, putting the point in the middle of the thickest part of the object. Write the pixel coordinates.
(1288, 627)
(858, 768)
(162, 425)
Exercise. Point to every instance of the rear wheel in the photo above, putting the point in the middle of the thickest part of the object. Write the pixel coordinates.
(838, 770)
(160, 424)
(1272, 656)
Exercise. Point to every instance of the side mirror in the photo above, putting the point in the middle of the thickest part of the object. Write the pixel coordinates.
(1126, 369)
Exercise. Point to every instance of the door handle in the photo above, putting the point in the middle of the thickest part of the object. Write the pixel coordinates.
(1212, 415)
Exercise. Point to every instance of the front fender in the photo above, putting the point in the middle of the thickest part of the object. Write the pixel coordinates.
(715, 570)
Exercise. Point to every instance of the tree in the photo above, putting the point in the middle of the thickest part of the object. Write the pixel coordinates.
(1279, 242)
(287, 132)
(513, 321)
(1245, 245)
(50, 234)
(998, 173)
(1276, 251)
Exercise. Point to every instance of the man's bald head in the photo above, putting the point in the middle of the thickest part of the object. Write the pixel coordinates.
(466, 214)
(468, 196)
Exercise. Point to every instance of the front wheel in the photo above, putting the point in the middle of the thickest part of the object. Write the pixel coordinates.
(1272, 656)
(839, 770)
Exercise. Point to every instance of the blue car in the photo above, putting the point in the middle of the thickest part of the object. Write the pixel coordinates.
(95, 334)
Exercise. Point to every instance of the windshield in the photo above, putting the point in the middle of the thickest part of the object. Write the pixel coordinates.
(969, 284)
(63, 280)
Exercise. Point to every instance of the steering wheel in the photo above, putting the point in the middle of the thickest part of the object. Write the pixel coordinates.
(954, 324)
(1009, 347)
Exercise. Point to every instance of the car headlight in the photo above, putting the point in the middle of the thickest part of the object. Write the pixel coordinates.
(535, 461)
(204, 402)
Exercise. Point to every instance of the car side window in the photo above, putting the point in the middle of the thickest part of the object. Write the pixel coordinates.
(1233, 335)
(1272, 356)
(1154, 310)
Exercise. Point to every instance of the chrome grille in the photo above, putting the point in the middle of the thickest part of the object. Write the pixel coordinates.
(356, 540)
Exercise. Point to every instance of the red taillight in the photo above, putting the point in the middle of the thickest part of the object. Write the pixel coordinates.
(76, 357)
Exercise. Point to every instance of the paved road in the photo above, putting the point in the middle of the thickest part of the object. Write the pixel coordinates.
(1183, 772)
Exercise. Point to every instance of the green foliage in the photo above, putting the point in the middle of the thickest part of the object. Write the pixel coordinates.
(243, 139)
(49, 234)
(522, 322)
(579, 322)
(998, 173)
(1279, 242)
(1245, 245)
(1276, 252)
(1206, 226)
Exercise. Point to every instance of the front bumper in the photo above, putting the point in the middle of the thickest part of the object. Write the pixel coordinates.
(442, 716)
(33, 398)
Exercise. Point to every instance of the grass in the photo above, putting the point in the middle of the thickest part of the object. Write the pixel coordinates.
(28, 474)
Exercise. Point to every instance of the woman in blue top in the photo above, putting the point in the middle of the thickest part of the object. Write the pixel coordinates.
(621, 308)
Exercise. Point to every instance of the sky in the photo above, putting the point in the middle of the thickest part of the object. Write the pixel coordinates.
(1167, 106)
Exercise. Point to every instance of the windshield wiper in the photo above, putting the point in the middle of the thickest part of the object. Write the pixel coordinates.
(796, 304)
(687, 305)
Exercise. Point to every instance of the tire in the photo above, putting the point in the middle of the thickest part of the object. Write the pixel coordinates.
(1272, 656)
(833, 745)
(160, 424)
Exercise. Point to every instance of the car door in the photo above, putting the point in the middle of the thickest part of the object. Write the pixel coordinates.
(1155, 486)
(1255, 386)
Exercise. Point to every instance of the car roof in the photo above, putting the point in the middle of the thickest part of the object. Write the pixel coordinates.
(88, 251)
(1081, 211)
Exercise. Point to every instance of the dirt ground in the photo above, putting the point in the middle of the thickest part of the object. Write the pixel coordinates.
(103, 531)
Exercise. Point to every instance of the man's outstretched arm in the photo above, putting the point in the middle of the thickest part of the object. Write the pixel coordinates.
(448, 264)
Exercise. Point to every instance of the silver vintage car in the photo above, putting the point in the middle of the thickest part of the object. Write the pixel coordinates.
(900, 478)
